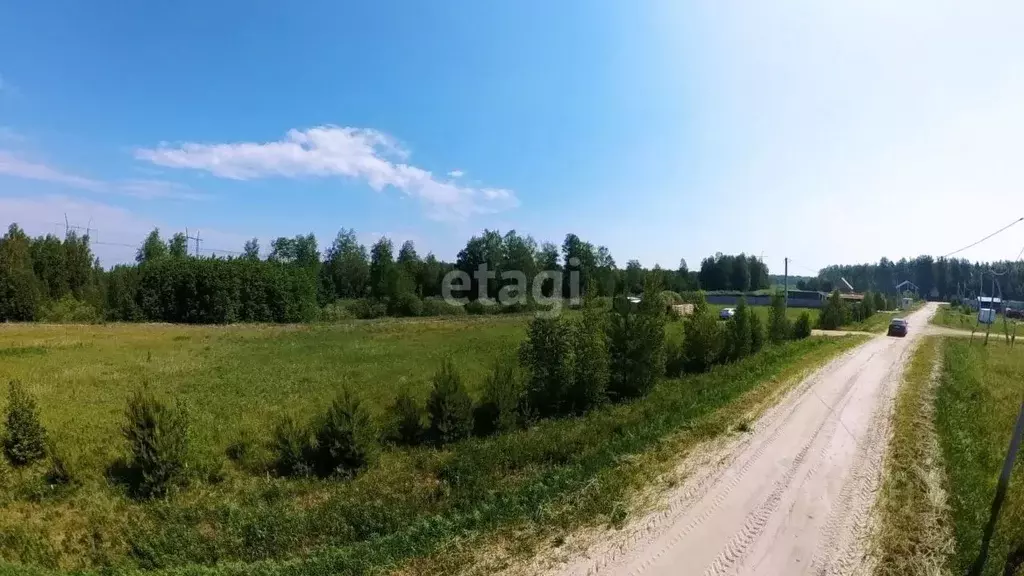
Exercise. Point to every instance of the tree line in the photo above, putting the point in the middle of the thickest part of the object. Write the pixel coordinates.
(59, 279)
(936, 278)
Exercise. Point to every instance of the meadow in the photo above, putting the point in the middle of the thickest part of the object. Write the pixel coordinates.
(959, 319)
(416, 505)
(979, 394)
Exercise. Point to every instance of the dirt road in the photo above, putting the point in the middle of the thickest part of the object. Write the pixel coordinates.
(794, 495)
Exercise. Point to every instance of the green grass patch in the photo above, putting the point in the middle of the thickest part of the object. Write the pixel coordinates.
(979, 394)
(911, 535)
(419, 503)
(762, 311)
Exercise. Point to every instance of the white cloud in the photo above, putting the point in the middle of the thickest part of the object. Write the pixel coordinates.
(11, 165)
(146, 189)
(456, 174)
(325, 151)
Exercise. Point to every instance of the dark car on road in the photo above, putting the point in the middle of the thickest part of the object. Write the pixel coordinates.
(898, 327)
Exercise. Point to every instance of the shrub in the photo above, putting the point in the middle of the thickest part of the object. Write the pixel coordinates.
(547, 359)
(703, 343)
(25, 440)
(449, 406)
(738, 334)
(367, 308)
(636, 345)
(68, 310)
(346, 442)
(438, 307)
(671, 298)
(756, 333)
(500, 407)
(157, 437)
(675, 357)
(698, 299)
(293, 446)
(802, 326)
(590, 366)
(405, 420)
(868, 304)
(778, 324)
(405, 304)
(835, 314)
(335, 312)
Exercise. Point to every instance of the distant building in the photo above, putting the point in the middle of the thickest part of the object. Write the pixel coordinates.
(982, 302)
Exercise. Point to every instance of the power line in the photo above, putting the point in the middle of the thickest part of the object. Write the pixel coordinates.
(985, 238)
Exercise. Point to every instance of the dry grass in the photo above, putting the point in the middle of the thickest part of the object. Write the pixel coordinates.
(912, 536)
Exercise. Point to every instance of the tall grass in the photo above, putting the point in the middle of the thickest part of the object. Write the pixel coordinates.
(413, 503)
(980, 392)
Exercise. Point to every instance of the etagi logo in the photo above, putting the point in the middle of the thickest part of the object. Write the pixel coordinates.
(515, 288)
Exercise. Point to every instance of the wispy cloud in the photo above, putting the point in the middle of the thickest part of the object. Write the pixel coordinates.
(148, 189)
(456, 174)
(366, 155)
(12, 165)
(155, 189)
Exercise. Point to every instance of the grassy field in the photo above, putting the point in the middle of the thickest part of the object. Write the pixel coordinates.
(416, 505)
(912, 529)
(762, 311)
(979, 394)
(957, 319)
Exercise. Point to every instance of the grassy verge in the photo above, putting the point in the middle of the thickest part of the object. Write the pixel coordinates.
(415, 504)
(978, 398)
(912, 533)
(958, 319)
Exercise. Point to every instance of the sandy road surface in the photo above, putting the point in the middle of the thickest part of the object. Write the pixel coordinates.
(794, 496)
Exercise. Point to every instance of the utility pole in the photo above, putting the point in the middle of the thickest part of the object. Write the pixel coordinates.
(785, 281)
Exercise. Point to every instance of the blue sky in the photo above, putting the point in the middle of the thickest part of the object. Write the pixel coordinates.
(661, 129)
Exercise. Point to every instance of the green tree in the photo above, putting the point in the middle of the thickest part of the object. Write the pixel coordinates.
(778, 324)
(25, 438)
(382, 267)
(177, 246)
(153, 248)
(345, 439)
(636, 344)
(251, 250)
(19, 289)
(739, 332)
(347, 264)
(449, 406)
(835, 314)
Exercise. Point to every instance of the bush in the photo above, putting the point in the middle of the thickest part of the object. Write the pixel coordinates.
(738, 333)
(868, 305)
(293, 447)
(405, 421)
(880, 303)
(636, 345)
(547, 359)
(698, 299)
(25, 440)
(477, 307)
(450, 408)
(671, 298)
(367, 308)
(802, 326)
(756, 333)
(591, 370)
(675, 357)
(500, 407)
(405, 304)
(778, 324)
(835, 314)
(438, 307)
(703, 343)
(346, 441)
(68, 310)
(157, 438)
(335, 312)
